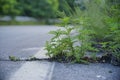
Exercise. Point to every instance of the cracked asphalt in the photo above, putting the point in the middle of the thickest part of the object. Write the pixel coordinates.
(22, 42)
(25, 41)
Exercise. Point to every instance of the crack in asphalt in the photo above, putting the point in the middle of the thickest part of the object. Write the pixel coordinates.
(27, 59)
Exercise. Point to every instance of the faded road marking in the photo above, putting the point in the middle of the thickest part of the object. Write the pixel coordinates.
(36, 70)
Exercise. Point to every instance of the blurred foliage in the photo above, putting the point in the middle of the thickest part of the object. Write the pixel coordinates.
(8, 7)
(66, 6)
(113, 22)
(97, 27)
(36, 8)
(13, 22)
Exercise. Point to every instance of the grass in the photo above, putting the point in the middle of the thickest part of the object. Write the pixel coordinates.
(21, 23)
(42, 22)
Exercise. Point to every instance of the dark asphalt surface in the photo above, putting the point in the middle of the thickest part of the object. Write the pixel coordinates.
(93, 71)
(25, 41)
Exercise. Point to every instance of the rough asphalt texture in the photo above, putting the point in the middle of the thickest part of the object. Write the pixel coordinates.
(96, 71)
(25, 41)
(20, 41)
(8, 68)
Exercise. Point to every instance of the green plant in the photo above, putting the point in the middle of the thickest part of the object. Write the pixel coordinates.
(96, 27)
(113, 22)
(63, 45)
(13, 58)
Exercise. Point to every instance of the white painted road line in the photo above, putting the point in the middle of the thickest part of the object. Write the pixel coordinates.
(30, 49)
(35, 70)
(41, 54)
(51, 72)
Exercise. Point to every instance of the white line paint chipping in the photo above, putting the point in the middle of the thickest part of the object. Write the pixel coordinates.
(30, 49)
(41, 54)
(35, 70)
(51, 72)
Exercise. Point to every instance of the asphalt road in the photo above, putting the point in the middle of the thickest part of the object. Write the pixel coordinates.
(25, 41)
(93, 71)
(22, 42)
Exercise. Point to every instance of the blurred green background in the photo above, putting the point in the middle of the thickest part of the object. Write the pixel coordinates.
(33, 8)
